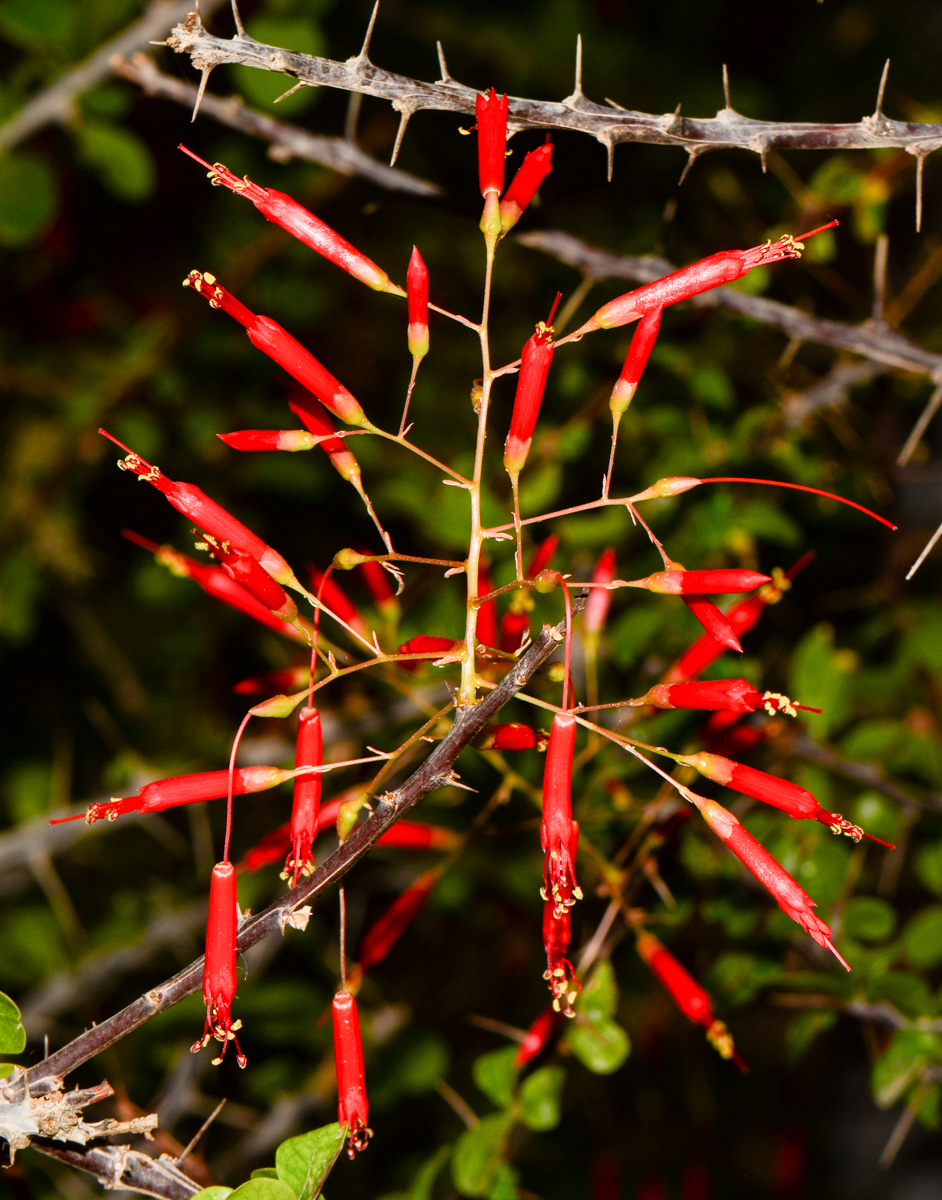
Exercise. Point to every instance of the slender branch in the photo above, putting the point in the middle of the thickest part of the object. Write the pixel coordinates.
(55, 105)
(436, 771)
(877, 342)
(122, 1167)
(608, 123)
(285, 141)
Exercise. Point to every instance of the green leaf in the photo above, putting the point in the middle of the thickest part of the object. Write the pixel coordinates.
(496, 1075)
(804, 1029)
(121, 159)
(929, 867)
(505, 1184)
(869, 919)
(599, 997)
(6, 1069)
(12, 1033)
(900, 1064)
(922, 937)
(820, 676)
(540, 1098)
(263, 1189)
(264, 1173)
(216, 1192)
(601, 1046)
(39, 25)
(478, 1155)
(304, 1162)
(424, 1179)
(29, 199)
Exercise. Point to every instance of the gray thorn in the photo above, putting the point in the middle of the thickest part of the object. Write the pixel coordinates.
(240, 28)
(920, 163)
(204, 77)
(728, 102)
(404, 117)
(692, 155)
(878, 111)
(364, 55)
(443, 66)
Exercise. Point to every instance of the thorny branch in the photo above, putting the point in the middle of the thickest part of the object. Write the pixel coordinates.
(609, 123)
(437, 771)
(122, 1167)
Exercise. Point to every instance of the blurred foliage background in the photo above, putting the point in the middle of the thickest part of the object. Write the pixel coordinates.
(115, 672)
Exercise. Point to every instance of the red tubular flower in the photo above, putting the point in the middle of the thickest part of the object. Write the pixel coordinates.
(537, 1036)
(184, 789)
(713, 621)
(292, 679)
(525, 184)
(246, 572)
(485, 626)
(215, 582)
(426, 643)
(724, 267)
(302, 224)
(740, 618)
(642, 343)
(336, 599)
(307, 796)
(559, 881)
(353, 1109)
(797, 801)
(269, 439)
(557, 931)
(416, 835)
(417, 292)
(219, 970)
(678, 582)
(535, 361)
(315, 417)
(692, 1000)
(793, 900)
(511, 736)
(491, 113)
(269, 337)
(600, 598)
(516, 620)
(380, 938)
(732, 695)
(211, 517)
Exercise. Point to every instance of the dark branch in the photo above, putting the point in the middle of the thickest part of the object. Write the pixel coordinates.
(121, 1167)
(435, 772)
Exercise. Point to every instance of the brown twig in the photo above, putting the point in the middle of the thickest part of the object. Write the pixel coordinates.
(436, 771)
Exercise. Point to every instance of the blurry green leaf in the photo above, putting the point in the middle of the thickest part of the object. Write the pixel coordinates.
(120, 157)
(740, 976)
(540, 1098)
(929, 1112)
(216, 1192)
(820, 675)
(12, 1033)
(928, 866)
(909, 1052)
(634, 633)
(264, 1173)
(303, 1163)
(424, 1179)
(601, 1046)
(262, 88)
(496, 1074)
(711, 385)
(539, 488)
(505, 1183)
(478, 1155)
(803, 1029)
(599, 996)
(877, 815)
(263, 1189)
(41, 26)
(6, 1069)
(922, 937)
(869, 919)
(28, 788)
(736, 920)
(904, 989)
(29, 199)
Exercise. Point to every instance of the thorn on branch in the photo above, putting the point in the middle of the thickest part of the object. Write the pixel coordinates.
(445, 79)
(878, 111)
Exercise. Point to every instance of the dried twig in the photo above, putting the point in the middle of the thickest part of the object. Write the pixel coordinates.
(285, 141)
